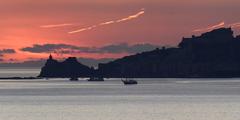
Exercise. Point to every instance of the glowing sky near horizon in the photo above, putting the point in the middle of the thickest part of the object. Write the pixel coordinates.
(28, 22)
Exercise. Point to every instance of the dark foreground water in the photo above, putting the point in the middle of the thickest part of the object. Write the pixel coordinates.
(152, 99)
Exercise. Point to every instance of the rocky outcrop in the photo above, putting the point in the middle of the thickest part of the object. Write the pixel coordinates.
(68, 68)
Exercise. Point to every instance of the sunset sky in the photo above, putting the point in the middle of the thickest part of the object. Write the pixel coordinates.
(31, 29)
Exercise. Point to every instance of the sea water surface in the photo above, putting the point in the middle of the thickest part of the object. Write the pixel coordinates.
(151, 99)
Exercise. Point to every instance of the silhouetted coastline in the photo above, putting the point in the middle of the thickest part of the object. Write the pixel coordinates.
(214, 54)
(19, 78)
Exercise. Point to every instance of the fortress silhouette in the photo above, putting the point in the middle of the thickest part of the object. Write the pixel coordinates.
(215, 54)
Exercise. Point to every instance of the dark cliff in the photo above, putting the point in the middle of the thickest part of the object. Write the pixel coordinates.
(212, 54)
(68, 68)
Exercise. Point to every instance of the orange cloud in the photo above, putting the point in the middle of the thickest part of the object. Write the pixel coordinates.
(210, 27)
(235, 25)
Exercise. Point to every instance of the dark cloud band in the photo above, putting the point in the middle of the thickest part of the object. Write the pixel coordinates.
(6, 51)
(70, 49)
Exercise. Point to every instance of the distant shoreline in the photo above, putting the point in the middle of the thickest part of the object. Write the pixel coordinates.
(32, 78)
(19, 78)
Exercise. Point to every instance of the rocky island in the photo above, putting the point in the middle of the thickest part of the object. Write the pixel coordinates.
(66, 69)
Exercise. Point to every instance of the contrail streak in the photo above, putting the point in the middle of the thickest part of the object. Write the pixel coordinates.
(210, 28)
(83, 29)
(56, 25)
(107, 23)
(110, 22)
(131, 17)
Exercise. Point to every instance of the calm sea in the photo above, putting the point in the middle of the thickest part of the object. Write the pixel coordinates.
(17, 72)
(151, 99)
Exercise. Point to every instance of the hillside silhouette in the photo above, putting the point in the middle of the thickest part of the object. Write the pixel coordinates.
(212, 54)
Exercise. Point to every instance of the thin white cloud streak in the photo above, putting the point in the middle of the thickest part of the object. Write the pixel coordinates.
(135, 16)
(222, 24)
(57, 25)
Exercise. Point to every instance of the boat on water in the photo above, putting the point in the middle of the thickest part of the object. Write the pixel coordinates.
(73, 79)
(96, 79)
(129, 82)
